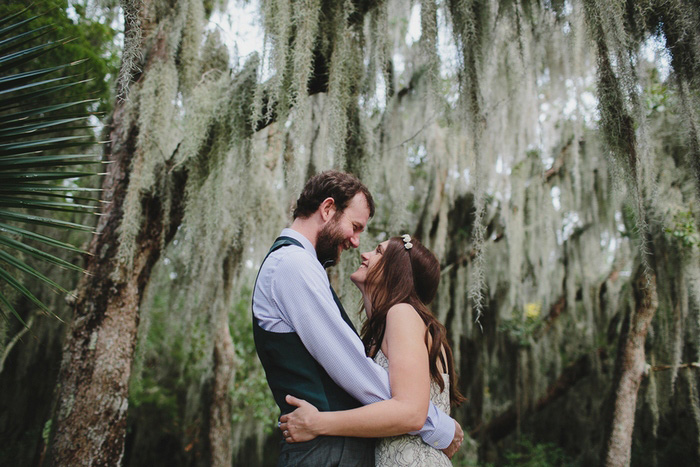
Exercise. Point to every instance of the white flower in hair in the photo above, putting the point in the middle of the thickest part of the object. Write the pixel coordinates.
(407, 241)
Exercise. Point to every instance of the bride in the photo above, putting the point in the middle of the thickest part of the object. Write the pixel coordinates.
(397, 280)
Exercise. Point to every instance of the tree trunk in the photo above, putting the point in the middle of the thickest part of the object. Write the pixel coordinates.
(221, 409)
(629, 370)
(91, 404)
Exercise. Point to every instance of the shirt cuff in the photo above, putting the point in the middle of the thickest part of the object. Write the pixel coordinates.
(444, 430)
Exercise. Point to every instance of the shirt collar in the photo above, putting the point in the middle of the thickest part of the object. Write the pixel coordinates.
(306, 243)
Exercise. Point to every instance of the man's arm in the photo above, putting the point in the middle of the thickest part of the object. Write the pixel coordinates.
(305, 302)
(456, 443)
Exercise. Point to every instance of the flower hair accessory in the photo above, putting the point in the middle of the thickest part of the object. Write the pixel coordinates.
(407, 241)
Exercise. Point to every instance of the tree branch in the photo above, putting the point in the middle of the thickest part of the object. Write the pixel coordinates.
(502, 425)
(14, 341)
(466, 257)
(558, 163)
(669, 367)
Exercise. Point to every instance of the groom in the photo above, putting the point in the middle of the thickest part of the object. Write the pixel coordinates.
(305, 340)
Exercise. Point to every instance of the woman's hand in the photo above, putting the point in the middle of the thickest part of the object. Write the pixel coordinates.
(302, 424)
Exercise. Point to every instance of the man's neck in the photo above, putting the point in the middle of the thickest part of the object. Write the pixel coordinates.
(307, 227)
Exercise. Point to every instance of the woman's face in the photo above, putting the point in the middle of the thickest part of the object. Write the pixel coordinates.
(369, 260)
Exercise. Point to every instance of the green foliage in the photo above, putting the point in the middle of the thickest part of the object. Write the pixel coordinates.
(46, 431)
(158, 386)
(683, 230)
(526, 454)
(251, 395)
(530, 454)
(657, 95)
(87, 37)
(147, 394)
(524, 324)
(41, 121)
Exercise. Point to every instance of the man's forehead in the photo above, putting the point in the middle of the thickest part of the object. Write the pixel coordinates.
(358, 210)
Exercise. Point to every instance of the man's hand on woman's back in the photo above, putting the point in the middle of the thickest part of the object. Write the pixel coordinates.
(456, 441)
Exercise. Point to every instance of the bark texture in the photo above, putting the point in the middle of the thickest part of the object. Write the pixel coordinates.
(90, 418)
(629, 370)
(221, 409)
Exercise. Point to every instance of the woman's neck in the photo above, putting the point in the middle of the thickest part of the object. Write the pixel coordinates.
(368, 304)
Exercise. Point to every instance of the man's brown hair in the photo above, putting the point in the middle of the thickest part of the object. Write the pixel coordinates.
(340, 186)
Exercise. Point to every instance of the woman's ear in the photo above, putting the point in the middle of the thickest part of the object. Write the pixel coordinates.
(328, 209)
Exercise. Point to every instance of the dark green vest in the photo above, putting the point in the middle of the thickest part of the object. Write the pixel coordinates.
(290, 368)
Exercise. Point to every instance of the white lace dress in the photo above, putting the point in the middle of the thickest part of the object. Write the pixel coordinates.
(410, 450)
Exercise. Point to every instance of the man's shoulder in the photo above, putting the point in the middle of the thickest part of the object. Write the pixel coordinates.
(289, 259)
(291, 250)
(293, 269)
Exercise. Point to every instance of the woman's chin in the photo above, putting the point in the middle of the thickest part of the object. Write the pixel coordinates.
(359, 283)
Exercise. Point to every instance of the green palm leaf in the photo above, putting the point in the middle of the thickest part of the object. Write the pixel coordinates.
(33, 203)
(39, 128)
(5, 30)
(39, 220)
(20, 79)
(45, 161)
(16, 98)
(35, 252)
(21, 265)
(20, 116)
(13, 231)
(38, 136)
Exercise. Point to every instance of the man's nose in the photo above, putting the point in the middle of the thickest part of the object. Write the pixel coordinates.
(355, 241)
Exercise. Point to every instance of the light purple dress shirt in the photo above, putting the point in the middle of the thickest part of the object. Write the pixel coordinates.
(293, 294)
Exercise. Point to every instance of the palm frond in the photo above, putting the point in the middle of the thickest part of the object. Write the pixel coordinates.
(5, 30)
(20, 79)
(40, 158)
(42, 89)
(9, 231)
(36, 129)
(39, 220)
(41, 111)
(35, 252)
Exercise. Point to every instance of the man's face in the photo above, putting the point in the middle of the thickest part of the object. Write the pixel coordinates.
(342, 232)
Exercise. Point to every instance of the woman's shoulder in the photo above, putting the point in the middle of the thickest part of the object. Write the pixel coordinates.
(403, 313)
(404, 329)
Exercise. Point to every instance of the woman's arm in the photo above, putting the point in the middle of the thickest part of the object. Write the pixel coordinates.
(409, 375)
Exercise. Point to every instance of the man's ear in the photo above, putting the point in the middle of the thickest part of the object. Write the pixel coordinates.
(328, 209)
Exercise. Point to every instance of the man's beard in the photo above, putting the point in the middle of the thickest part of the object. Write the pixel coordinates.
(328, 243)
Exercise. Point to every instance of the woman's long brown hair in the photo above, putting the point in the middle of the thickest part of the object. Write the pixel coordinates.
(409, 276)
